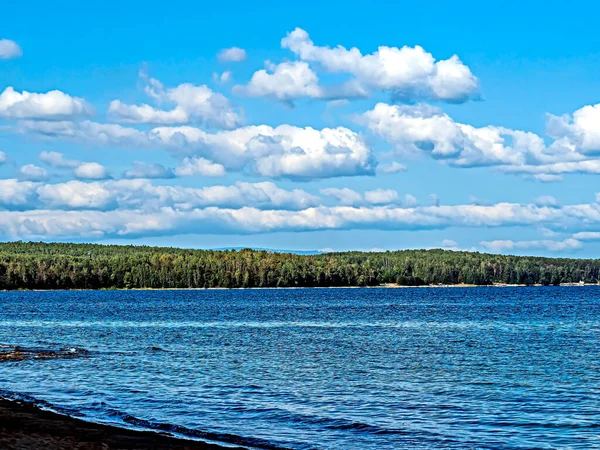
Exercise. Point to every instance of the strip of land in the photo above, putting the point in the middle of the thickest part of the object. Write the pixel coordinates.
(24, 426)
(42, 266)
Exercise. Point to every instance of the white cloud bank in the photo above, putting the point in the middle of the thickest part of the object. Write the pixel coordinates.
(282, 152)
(130, 208)
(502, 246)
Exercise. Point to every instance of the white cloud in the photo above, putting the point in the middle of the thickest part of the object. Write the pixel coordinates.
(391, 168)
(382, 196)
(449, 243)
(91, 171)
(349, 197)
(138, 208)
(579, 129)
(191, 104)
(407, 72)
(285, 151)
(587, 236)
(410, 201)
(53, 105)
(233, 54)
(344, 196)
(199, 167)
(16, 193)
(3, 157)
(143, 170)
(32, 172)
(141, 194)
(9, 49)
(58, 161)
(553, 246)
(224, 77)
(76, 195)
(85, 131)
(285, 82)
(546, 200)
(422, 129)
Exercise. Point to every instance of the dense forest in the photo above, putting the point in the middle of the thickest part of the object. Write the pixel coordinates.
(34, 265)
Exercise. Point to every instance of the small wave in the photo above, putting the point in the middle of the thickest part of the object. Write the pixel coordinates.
(177, 430)
(197, 434)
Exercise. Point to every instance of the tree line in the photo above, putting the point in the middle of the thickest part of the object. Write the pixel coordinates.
(36, 265)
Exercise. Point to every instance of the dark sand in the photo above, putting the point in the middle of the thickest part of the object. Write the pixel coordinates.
(24, 426)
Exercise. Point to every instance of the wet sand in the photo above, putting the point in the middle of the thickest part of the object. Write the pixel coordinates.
(24, 426)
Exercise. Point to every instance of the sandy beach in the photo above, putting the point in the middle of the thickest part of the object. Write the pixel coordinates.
(24, 426)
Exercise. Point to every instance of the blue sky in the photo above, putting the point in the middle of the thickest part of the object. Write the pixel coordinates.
(363, 125)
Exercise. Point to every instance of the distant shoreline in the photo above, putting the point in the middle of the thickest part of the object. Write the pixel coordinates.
(382, 286)
(89, 266)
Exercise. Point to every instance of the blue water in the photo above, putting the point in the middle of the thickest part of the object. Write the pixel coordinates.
(321, 368)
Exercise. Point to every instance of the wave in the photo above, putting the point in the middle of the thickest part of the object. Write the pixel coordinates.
(147, 425)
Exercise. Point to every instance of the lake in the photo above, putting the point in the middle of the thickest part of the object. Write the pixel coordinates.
(320, 368)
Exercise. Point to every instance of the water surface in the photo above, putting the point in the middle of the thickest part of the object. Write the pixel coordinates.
(321, 368)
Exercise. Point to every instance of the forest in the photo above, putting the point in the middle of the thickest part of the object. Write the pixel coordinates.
(37, 265)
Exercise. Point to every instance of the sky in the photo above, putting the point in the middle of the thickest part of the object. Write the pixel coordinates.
(315, 126)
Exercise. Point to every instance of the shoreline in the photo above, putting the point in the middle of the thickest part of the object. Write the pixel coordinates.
(24, 425)
(381, 286)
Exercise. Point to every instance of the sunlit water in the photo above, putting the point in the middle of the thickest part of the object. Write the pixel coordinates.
(321, 368)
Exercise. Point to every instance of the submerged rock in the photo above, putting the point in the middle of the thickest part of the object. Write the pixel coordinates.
(21, 354)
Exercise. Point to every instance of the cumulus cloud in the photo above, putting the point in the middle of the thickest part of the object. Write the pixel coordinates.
(191, 104)
(293, 80)
(285, 82)
(53, 105)
(91, 171)
(285, 151)
(9, 49)
(32, 172)
(81, 170)
(579, 129)
(423, 129)
(58, 161)
(199, 166)
(502, 246)
(408, 73)
(143, 170)
(233, 54)
(16, 193)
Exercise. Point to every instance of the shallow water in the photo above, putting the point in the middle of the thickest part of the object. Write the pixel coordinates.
(321, 368)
